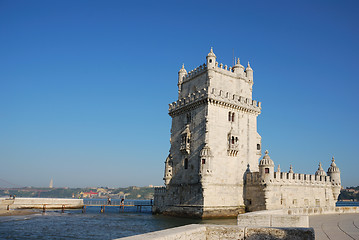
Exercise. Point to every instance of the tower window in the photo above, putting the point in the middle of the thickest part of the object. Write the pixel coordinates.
(258, 147)
(189, 118)
(203, 161)
(266, 170)
(210, 60)
(231, 116)
(186, 163)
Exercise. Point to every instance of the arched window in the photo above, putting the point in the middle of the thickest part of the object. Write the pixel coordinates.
(232, 117)
(186, 163)
(203, 161)
(258, 147)
(232, 140)
(229, 116)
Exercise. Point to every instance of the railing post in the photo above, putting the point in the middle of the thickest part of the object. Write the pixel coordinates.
(44, 208)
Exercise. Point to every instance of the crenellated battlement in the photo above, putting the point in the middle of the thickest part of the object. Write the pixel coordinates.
(289, 178)
(217, 96)
(195, 72)
(219, 67)
(235, 99)
(191, 98)
(160, 190)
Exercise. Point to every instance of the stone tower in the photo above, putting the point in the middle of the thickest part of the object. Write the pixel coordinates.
(213, 139)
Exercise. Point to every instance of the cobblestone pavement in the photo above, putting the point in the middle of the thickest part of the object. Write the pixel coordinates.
(335, 226)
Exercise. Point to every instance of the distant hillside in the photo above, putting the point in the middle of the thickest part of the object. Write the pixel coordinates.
(132, 192)
(350, 193)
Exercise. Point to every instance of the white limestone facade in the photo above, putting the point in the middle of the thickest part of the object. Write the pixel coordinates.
(271, 190)
(213, 139)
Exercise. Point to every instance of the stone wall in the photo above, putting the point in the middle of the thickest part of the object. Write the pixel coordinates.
(212, 232)
(54, 203)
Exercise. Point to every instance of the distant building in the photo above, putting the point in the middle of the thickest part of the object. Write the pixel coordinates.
(89, 194)
(212, 169)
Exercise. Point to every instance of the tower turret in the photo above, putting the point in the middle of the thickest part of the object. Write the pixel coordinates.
(320, 171)
(211, 59)
(238, 68)
(249, 72)
(168, 170)
(334, 173)
(266, 168)
(181, 74)
(205, 161)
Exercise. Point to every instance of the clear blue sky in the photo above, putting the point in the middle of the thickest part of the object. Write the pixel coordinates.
(85, 85)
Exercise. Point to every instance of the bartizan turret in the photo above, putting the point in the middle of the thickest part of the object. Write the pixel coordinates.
(249, 72)
(266, 169)
(334, 173)
(205, 163)
(238, 69)
(211, 60)
(320, 171)
(181, 74)
(168, 170)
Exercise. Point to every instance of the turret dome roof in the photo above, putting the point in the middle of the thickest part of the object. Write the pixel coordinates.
(206, 151)
(183, 70)
(238, 64)
(333, 167)
(266, 160)
(249, 67)
(211, 53)
(320, 171)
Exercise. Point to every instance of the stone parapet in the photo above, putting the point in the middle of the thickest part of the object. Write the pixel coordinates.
(195, 72)
(212, 232)
(304, 211)
(290, 178)
(217, 97)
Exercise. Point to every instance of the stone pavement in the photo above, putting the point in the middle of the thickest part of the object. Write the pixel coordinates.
(335, 226)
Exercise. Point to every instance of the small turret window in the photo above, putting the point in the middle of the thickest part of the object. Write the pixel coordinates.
(203, 161)
(231, 116)
(210, 60)
(258, 147)
(266, 170)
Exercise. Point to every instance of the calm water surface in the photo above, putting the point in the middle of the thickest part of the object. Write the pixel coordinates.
(74, 224)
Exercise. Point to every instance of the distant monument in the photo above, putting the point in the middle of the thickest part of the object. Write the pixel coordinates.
(212, 168)
(51, 185)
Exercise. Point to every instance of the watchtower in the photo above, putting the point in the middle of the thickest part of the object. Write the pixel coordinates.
(213, 139)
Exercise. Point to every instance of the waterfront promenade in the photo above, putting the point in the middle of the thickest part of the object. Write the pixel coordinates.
(335, 226)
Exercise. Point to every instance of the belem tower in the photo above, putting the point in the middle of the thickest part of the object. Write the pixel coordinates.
(212, 169)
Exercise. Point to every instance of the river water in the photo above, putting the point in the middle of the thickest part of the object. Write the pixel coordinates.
(114, 223)
(73, 224)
